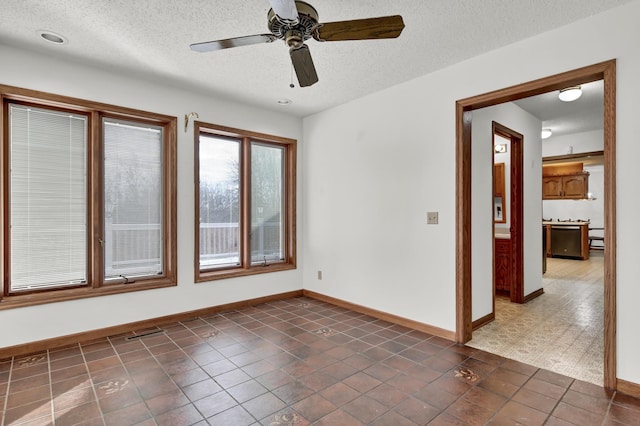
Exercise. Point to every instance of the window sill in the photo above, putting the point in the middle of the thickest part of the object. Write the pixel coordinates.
(41, 298)
(209, 275)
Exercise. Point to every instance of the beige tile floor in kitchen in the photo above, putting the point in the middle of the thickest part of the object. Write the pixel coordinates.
(562, 330)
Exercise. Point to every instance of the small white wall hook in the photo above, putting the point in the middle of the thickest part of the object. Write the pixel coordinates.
(187, 117)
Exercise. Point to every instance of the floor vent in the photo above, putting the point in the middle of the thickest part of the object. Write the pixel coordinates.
(147, 334)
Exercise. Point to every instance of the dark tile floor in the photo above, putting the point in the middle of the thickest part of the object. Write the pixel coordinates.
(293, 362)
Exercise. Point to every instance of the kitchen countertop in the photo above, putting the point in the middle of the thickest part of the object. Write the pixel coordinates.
(565, 223)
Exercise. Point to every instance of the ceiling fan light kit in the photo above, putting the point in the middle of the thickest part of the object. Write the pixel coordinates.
(297, 21)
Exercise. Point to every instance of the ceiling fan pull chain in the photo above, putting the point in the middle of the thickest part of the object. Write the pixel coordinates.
(291, 84)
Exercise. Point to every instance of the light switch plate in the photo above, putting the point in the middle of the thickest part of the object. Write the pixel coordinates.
(432, 218)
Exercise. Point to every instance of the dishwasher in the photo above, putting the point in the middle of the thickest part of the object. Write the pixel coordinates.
(566, 241)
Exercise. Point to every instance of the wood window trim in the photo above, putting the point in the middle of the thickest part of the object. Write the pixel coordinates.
(289, 207)
(95, 111)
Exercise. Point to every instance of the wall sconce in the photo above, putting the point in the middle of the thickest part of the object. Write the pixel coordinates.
(570, 94)
(500, 148)
(546, 133)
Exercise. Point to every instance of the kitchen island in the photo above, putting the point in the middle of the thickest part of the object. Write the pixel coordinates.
(568, 239)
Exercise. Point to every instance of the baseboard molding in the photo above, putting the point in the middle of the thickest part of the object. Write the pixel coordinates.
(483, 321)
(628, 388)
(425, 328)
(533, 295)
(56, 342)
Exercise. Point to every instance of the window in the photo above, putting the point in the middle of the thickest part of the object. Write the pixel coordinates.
(89, 199)
(245, 202)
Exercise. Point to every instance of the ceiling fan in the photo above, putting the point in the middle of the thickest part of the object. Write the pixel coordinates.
(296, 21)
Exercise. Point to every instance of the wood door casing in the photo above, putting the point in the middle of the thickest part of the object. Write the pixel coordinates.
(516, 213)
(464, 110)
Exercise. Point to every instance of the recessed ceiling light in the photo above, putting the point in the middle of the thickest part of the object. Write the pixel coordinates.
(546, 133)
(284, 101)
(52, 37)
(570, 94)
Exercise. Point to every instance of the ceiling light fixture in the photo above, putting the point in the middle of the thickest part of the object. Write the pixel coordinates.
(546, 133)
(52, 37)
(570, 94)
(284, 101)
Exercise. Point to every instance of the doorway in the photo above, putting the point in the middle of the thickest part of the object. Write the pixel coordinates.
(603, 71)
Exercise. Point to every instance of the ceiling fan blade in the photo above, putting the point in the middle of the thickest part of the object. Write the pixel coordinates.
(303, 64)
(210, 46)
(360, 29)
(285, 9)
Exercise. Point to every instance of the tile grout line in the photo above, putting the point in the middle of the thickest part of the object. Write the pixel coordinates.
(128, 376)
(51, 398)
(93, 387)
(6, 396)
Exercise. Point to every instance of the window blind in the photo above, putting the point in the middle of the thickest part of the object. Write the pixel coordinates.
(133, 187)
(48, 198)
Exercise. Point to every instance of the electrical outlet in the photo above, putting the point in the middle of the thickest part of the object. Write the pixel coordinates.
(320, 275)
(432, 218)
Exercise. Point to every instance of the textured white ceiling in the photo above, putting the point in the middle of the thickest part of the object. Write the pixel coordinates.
(150, 38)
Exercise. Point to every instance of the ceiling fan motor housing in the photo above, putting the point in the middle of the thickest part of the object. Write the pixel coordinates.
(294, 33)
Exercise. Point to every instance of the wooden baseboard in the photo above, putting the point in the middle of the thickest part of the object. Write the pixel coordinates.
(483, 321)
(405, 322)
(628, 388)
(533, 295)
(56, 342)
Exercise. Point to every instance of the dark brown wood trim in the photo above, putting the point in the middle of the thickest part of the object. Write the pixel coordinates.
(78, 104)
(240, 133)
(94, 111)
(604, 70)
(245, 205)
(405, 322)
(533, 295)
(572, 157)
(42, 345)
(610, 231)
(480, 322)
(464, 325)
(245, 139)
(516, 209)
(221, 274)
(629, 388)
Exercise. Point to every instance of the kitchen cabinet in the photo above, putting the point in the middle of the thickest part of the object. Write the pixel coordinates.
(564, 182)
(568, 187)
(502, 260)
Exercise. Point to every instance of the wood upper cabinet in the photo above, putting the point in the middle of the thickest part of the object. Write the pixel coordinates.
(573, 187)
(576, 186)
(564, 182)
(551, 187)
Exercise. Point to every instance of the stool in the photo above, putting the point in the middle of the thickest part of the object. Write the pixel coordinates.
(593, 238)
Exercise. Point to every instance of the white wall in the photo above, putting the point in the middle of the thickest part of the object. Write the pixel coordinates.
(51, 75)
(370, 170)
(518, 120)
(375, 166)
(573, 143)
